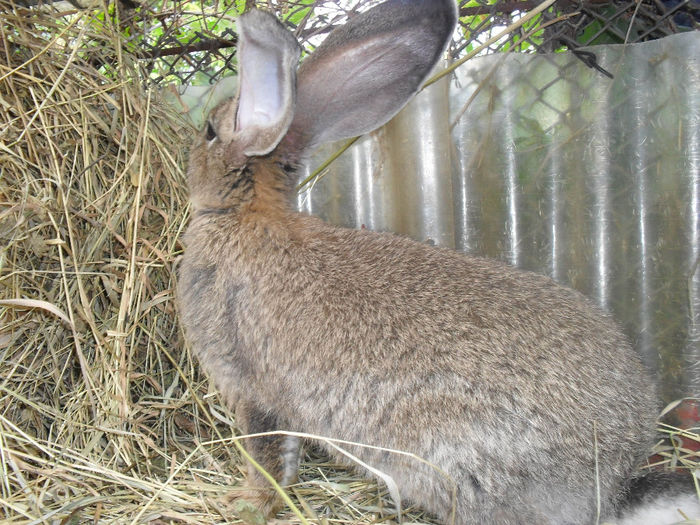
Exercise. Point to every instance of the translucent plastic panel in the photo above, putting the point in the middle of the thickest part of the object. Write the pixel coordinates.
(552, 166)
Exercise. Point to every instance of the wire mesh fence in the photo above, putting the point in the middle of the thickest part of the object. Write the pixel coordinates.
(193, 42)
(567, 25)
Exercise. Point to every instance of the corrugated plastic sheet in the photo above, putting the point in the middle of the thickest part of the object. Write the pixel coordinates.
(550, 165)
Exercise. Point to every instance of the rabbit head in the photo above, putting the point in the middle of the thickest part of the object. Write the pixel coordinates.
(358, 79)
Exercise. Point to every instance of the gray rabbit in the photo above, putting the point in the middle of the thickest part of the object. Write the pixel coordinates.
(528, 398)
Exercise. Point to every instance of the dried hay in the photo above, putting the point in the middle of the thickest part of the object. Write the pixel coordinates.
(104, 414)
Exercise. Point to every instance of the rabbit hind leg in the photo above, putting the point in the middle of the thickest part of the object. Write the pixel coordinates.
(278, 455)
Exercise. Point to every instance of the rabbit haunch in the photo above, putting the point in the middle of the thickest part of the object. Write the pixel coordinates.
(523, 393)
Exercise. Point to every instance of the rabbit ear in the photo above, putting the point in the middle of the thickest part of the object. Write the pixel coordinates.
(268, 55)
(368, 69)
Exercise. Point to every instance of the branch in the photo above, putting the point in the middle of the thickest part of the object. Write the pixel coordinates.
(210, 44)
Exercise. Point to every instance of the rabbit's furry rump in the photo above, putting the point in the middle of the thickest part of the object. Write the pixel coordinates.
(524, 394)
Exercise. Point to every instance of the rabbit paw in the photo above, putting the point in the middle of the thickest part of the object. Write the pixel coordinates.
(255, 505)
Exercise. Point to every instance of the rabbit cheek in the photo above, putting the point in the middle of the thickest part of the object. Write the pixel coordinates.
(233, 152)
(221, 188)
(235, 186)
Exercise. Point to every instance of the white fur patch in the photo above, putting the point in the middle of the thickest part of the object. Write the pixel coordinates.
(663, 511)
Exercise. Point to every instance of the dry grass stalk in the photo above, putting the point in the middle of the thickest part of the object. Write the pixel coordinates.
(104, 416)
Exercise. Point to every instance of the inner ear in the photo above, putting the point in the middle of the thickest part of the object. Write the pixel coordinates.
(267, 60)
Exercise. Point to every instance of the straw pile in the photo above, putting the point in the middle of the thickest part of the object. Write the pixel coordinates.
(104, 416)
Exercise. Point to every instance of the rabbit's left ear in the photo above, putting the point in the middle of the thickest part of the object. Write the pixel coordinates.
(368, 69)
(268, 56)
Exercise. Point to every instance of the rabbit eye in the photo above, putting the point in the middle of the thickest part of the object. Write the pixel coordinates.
(211, 133)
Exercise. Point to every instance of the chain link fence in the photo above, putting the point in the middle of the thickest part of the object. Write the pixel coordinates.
(194, 42)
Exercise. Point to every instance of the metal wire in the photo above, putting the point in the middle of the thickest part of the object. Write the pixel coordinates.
(198, 46)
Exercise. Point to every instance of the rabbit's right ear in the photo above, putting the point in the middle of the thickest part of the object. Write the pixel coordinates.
(368, 69)
(268, 55)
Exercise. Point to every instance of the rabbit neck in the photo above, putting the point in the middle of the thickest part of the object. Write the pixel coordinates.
(272, 187)
(261, 185)
(263, 221)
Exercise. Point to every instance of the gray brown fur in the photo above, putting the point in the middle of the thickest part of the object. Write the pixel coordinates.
(515, 386)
